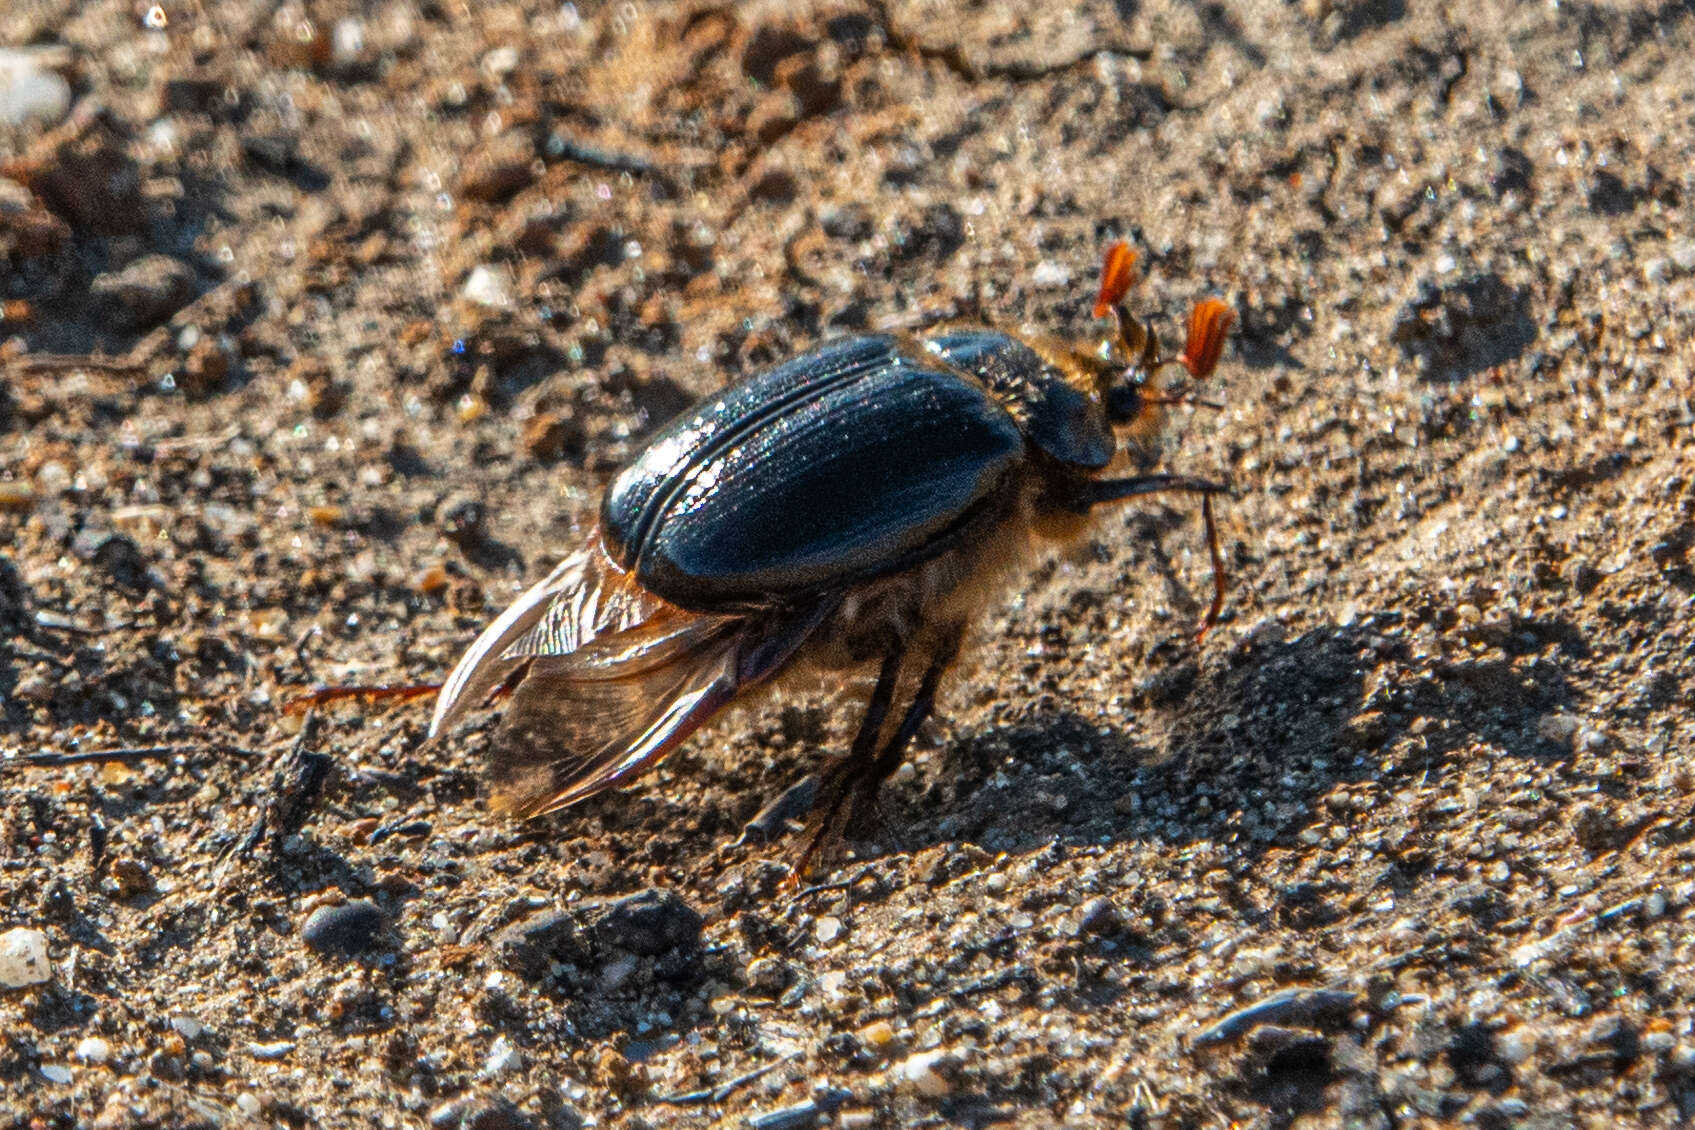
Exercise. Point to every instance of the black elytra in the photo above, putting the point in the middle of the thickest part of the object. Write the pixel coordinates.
(858, 459)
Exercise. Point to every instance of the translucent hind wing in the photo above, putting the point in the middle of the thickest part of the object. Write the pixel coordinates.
(585, 597)
(607, 678)
(591, 720)
(580, 724)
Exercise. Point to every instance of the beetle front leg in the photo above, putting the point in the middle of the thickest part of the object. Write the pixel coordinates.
(1112, 490)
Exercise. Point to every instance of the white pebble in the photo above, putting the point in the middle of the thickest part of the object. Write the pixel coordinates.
(29, 91)
(502, 1057)
(827, 930)
(270, 1051)
(55, 1073)
(248, 1104)
(924, 1073)
(1050, 273)
(187, 1027)
(93, 1049)
(488, 285)
(501, 62)
(23, 958)
(347, 41)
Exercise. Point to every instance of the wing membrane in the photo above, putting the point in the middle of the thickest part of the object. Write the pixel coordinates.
(606, 679)
(585, 597)
(578, 725)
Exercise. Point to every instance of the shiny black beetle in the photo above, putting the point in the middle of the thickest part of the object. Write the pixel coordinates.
(843, 508)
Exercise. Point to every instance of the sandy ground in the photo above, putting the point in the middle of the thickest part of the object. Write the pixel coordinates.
(325, 323)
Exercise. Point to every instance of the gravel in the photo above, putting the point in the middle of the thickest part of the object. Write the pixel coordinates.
(322, 327)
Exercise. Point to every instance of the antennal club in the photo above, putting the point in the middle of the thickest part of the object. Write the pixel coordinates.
(1209, 322)
(1118, 275)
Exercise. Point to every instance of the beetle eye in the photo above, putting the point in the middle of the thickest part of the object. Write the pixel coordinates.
(1123, 403)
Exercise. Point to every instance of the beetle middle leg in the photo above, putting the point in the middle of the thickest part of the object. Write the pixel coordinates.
(1112, 490)
(849, 793)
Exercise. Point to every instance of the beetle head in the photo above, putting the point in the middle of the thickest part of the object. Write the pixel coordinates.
(1134, 382)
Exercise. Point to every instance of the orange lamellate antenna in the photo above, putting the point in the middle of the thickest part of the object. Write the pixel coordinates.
(1209, 322)
(1118, 275)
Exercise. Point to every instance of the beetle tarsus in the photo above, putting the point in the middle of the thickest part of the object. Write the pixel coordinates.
(1220, 579)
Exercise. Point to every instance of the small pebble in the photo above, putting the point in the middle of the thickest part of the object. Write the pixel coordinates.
(146, 292)
(797, 1117)
(274, 1050)
(56, 1073)
(827, 929)
(347, 42)
(130, 877)
(877, 1034)
(926, 1074)
(1557, 728)
(650, 923)
(16, 495)
(1050, 274)
(479, 1112)
(502, 1058)
(345, 929)
(248, 1103)
(188, 1027)
(92, 1049)
(501, 62)
(488, 285)
(29, 91)
(23, 958)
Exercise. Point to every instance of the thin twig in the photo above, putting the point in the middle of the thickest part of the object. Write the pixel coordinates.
(563, 148)
(840, 884)
(71, 362)
(128, 755)
(724, 1090)
(59, 622)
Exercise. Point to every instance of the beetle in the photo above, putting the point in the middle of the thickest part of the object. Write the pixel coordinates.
(849, 507)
